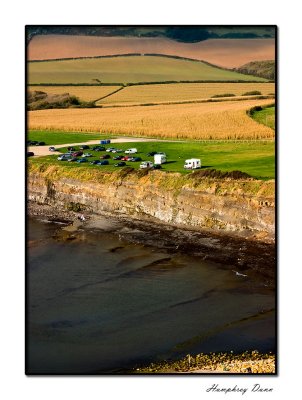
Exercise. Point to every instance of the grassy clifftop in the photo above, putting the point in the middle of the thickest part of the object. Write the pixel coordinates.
(211, 181)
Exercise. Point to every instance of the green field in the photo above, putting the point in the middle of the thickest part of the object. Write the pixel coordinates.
(59, 137)
(255, 158)
(265, 117)
(130, 69)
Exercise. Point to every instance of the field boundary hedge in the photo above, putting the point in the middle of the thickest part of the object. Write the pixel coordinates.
(167, 103)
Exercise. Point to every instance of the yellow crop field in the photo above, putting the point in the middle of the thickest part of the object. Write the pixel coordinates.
(143, 94)
(84, 93)
(223, 120)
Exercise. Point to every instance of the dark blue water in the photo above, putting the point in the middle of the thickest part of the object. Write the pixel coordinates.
(99, 304)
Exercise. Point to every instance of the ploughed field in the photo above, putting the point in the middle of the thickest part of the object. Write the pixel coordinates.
(228, 53)
(254, 158)
(221, 120)
(129, 69)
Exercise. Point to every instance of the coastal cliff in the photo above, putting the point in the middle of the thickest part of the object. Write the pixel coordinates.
(240, 207)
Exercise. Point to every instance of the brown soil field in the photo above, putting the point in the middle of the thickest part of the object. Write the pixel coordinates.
(84, 93)
(229, 53)
(223, 120)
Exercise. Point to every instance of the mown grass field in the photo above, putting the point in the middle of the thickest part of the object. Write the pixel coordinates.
(128, 69)
(266, 117)
(224, 120)
(143, 94)
(59, 137)
(84, 93)
(255, 158)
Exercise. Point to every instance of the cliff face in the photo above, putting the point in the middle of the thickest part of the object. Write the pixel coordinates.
(242, 207)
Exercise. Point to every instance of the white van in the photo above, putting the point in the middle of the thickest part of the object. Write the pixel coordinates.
(131, 151)
(146, 164)
(192, 163)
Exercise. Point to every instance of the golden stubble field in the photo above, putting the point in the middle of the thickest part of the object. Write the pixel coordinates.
(85, 93)
(182, 92)
(224, 120)
(228, 53)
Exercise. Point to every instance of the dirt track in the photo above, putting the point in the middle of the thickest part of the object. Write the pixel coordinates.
(43, 150)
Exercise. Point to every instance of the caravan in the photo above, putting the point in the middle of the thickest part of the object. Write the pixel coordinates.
(160, 158)
(192, 163)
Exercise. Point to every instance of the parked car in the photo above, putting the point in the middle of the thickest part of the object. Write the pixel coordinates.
(94, 162)
(77, 154)
(125, 158)
(117, 151)
(130, 158)
(131, 151)
(87, 155)
(151, 154)
(51, 148)
(64, 157)
(32, 142)
(84, 147)
(40, 144)
(117, 157)
(70, 148)
(104, 156)
(135, 159)
(72, 159)
(30, 153)
(146, 164)
(120, 164)
(81, 160)
(104, 162)
(157, 166)
(99, 148)
(110, 149)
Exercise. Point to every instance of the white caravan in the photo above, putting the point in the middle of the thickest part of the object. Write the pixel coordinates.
(192, 163)
(160, 158)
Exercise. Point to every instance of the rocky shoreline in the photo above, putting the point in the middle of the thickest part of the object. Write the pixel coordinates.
(249, 257)
(244, 363)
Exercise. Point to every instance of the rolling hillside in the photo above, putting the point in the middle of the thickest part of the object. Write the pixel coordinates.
(229, 53)
(264, 69)
(128, 69)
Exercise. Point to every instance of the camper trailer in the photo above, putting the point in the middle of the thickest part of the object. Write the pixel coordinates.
(160, 158)
(192, 163)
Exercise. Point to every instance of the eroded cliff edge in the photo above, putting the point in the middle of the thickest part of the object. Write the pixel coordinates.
(237, 207)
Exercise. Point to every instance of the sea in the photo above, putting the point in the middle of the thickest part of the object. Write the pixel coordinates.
(101, 304)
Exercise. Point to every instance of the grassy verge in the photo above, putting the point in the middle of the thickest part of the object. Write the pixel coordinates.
(60, 137)
(254, 158)
(247, 362)
(266, 116)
